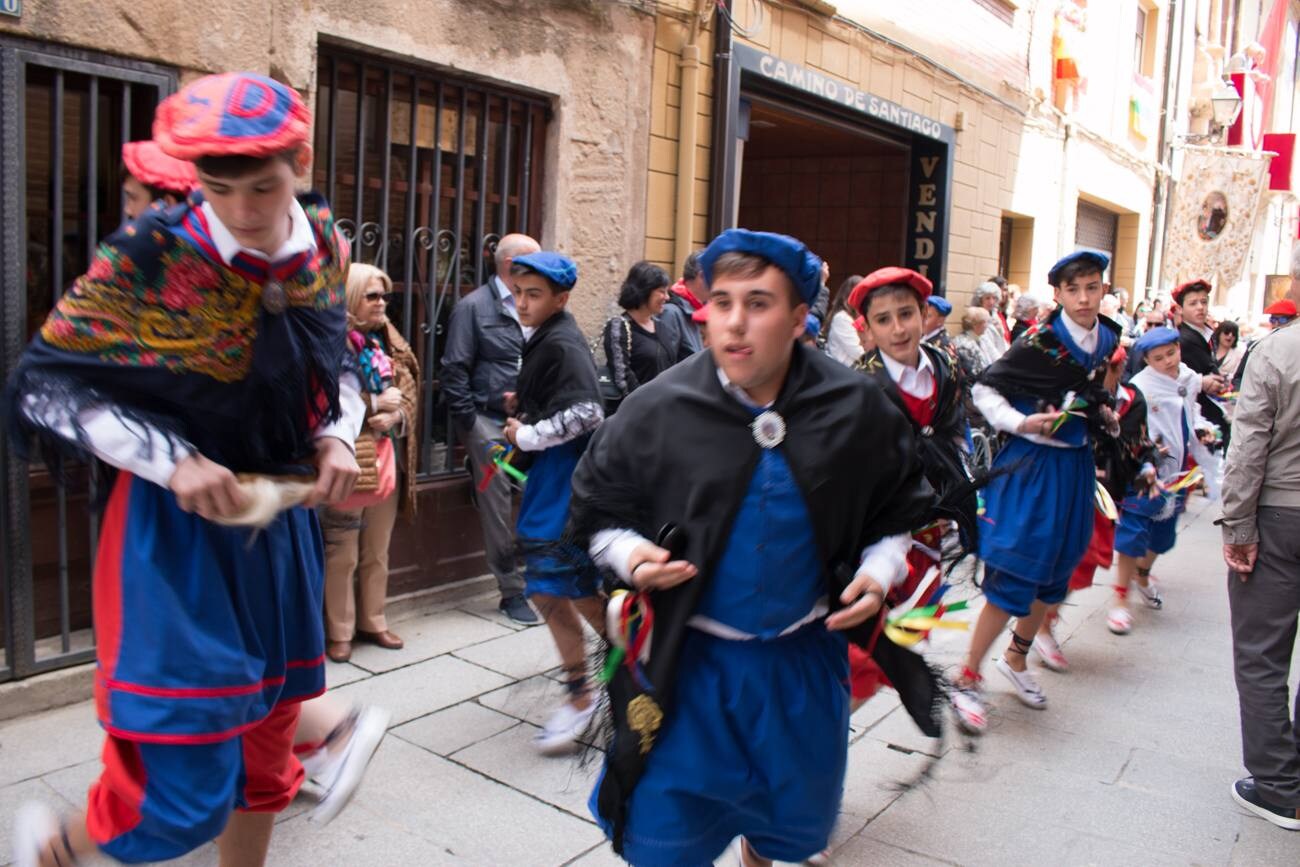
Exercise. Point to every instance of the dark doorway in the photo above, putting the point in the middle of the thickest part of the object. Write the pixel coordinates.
(838, 188)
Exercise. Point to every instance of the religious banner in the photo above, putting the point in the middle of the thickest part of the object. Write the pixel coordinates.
(1213, 215)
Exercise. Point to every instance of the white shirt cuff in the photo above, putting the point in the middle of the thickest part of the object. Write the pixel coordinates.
(886, 561)
(352, 413)
(612, 549)
(139, 449)
(528, 439)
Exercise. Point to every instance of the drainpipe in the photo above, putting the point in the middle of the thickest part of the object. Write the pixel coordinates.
(1164, 150)
(687, 126)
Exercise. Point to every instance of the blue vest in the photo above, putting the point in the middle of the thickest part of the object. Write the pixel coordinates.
(770, 574)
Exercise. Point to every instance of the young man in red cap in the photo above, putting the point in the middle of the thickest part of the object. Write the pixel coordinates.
(1047, 392)
(781, 491)
(923, 381)
(205, 341)
(152, 176)
(1196, 339)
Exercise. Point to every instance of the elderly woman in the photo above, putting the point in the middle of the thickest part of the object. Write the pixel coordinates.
(357, 532)
(1025, 313)
(997, 336)
(970, 343)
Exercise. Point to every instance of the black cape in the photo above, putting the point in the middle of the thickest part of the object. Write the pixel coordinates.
(680, 451)
(1198, 354)
(1120, 459)
(557, 372)
(939, 443)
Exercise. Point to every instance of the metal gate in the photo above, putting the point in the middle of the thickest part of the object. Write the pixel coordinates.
(64, 115)
(426, 172)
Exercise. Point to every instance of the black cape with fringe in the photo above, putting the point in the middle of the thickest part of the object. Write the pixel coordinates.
(680, 451)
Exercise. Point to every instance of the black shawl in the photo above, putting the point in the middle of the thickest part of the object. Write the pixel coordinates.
(1039, 369)
(680, 451)
(938, 444)
(167, 334)
(557, 372)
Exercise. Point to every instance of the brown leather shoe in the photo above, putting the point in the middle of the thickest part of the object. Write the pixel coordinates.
(339, 651)
(385, 639)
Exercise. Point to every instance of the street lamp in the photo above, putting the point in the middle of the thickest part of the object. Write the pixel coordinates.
(1225, 106)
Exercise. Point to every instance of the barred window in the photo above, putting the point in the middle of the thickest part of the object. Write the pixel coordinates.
(425, 173)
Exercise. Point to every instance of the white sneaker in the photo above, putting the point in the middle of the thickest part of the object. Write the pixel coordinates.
(968, 705)
(1151, 593)
(821, 859)
(1026, 685)
(35, 825)
(566, 725)
(1119, 621)
(339, 772)
(1049, 652)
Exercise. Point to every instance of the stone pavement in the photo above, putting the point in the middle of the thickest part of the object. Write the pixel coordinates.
(1130, 764)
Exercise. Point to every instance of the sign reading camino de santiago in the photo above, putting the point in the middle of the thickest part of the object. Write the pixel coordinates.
(815, 83)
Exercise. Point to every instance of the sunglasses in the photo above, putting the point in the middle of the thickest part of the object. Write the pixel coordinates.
(376, 296)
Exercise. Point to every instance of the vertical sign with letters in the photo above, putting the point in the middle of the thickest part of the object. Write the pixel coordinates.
(927, 211)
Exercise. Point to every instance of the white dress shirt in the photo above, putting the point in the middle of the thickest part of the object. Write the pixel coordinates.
(914, 381)
(1005, 417)
(143, 450)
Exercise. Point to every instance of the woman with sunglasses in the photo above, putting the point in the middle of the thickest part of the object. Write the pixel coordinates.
(357, 532)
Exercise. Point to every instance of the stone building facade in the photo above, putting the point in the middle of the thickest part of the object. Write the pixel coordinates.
(442, 124)
(858, 99)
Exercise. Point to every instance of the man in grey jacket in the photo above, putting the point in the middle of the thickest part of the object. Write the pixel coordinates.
(484, 346)
(1261, 512)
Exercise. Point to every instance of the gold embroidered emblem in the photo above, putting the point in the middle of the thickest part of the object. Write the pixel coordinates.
(644, 717)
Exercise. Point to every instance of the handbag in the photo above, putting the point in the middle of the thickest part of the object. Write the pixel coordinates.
(385, 470)
(610, 395)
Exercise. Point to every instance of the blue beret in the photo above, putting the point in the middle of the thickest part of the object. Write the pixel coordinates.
(1153, 338)
(788, 254)
(812, 326)
(938, 302)
(1101, 260)
(556, 267)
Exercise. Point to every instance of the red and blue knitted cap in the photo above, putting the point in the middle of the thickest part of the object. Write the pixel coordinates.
(149, 165)
(232, 114)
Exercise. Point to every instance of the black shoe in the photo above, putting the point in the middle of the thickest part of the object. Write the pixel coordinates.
(1247, 795)
(518, 610)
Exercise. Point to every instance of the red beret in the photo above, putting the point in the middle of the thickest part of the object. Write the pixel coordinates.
(889, 277)
(1190, 286)
(232, 114)
(1284, 307)
(1119, 356)
(149, 165)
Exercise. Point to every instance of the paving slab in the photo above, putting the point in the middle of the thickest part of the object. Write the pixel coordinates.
(49, 741)
(423, 688)
(510, 758)
(519, 655)
(454, 728)
(440, 812)
(427, 637)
